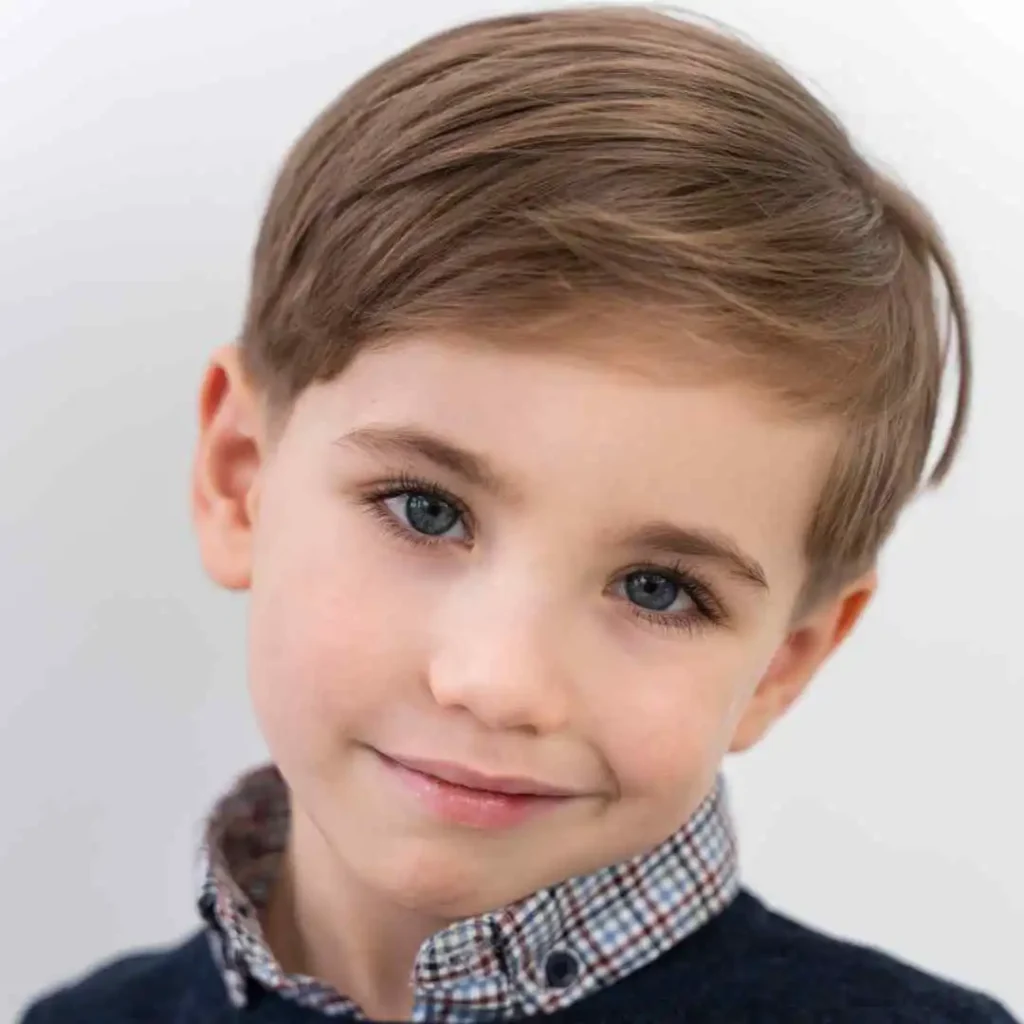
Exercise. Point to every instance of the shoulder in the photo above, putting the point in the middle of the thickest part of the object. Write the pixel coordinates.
(865, 979)
(150, 987)
(750, 963)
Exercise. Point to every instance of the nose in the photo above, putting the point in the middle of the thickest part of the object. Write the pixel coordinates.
(507, 666)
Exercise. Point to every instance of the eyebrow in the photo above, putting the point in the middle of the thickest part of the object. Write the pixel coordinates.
(693, 542)
(470, 467)
(475, 470)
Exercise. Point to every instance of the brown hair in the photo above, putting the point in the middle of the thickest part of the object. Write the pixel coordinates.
(545, 165)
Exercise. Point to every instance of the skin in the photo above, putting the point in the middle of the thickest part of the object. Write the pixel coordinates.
(509, 644)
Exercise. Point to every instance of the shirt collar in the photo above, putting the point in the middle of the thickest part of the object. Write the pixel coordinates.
(537, 955)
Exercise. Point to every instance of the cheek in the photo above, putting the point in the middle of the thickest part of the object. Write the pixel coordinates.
(327, 637)
(680, 722)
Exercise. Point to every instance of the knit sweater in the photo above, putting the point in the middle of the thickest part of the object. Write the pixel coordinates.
(749, 965)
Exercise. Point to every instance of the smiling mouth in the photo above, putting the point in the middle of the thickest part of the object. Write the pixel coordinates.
(479, 782)
(461, 796)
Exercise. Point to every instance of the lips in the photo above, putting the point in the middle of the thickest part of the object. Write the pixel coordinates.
(462, 796)
(481, 782)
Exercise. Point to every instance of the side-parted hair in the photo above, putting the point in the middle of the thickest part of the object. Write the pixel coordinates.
(518, 175)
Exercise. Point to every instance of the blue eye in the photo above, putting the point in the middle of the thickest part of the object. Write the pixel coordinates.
(656, 592)
(427, 514)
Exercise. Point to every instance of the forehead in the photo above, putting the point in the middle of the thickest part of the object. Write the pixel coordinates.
(565, 427)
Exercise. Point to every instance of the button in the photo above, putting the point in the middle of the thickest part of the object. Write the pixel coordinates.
(560, 969)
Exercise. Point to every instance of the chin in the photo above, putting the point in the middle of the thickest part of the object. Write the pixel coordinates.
(435, 880)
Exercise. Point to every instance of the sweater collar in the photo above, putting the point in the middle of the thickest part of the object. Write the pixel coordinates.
(538, 955)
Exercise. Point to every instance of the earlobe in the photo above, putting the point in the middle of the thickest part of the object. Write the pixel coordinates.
(225, 470)
(798, 659)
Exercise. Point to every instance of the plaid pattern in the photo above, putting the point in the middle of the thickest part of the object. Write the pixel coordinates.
(536, 956)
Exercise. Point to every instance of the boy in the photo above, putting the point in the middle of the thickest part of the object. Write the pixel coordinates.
(616, 302)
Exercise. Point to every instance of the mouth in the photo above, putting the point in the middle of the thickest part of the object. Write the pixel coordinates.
(461, 795)
(466, 778)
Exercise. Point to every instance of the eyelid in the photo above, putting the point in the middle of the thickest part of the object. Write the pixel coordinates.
(697, 587)
(407, 484)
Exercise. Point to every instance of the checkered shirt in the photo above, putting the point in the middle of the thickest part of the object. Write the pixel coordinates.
(536, 956)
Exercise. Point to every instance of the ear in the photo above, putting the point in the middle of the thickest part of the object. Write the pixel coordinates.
(225, 470)
(806, 647)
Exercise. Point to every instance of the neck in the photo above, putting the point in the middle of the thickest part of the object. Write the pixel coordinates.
(323, 922)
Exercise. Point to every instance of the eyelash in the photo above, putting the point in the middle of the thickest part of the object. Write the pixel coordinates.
(709, 610)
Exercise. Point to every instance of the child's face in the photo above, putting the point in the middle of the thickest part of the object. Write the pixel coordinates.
(510, 628)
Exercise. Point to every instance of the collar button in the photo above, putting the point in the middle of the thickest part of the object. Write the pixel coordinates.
(560, 969)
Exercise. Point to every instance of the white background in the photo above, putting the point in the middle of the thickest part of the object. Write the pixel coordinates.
(138, 141)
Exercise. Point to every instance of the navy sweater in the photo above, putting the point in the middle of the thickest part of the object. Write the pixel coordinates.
(747, 966)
